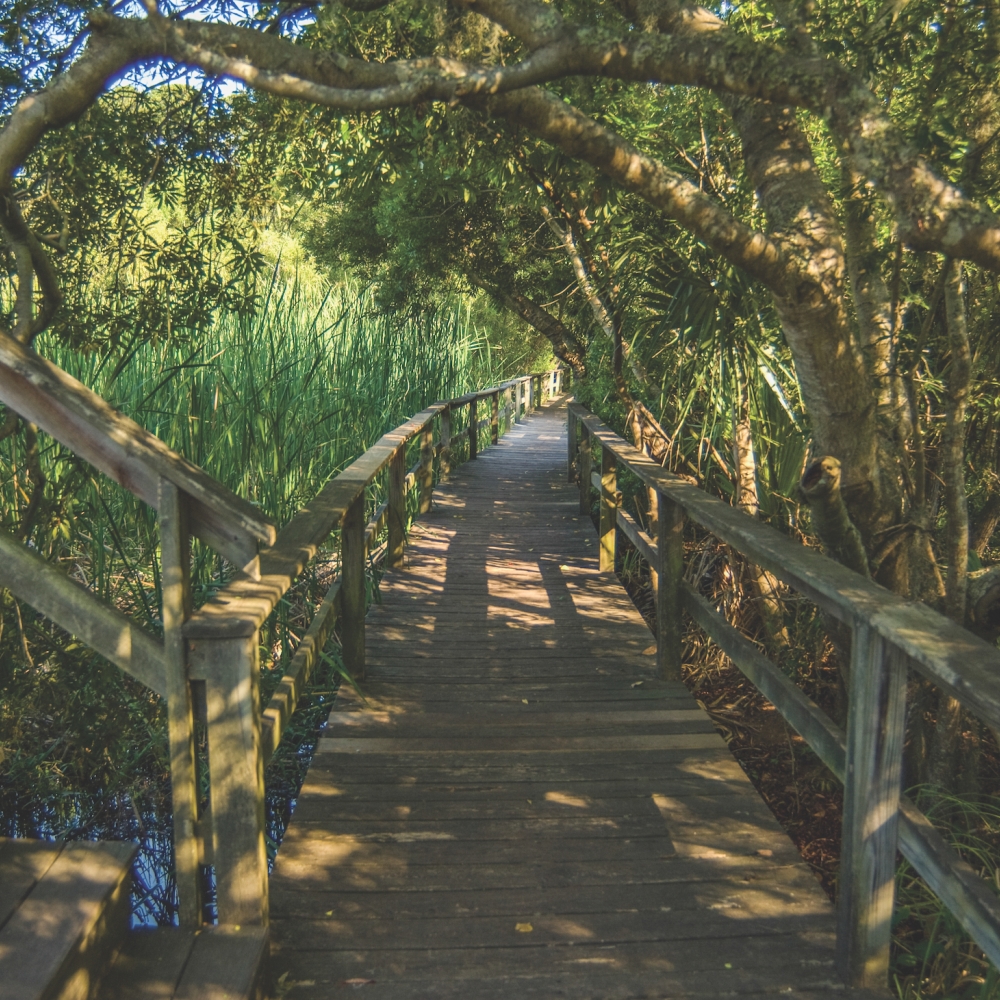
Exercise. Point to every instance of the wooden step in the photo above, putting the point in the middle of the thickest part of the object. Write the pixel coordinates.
(215, 963)
(64, 911)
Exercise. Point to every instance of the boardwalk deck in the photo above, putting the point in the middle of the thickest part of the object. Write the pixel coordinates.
(519, 808)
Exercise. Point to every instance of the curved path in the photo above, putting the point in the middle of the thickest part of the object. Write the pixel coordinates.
(518, 808)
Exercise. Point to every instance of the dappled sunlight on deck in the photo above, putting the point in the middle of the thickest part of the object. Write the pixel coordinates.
(515, 804)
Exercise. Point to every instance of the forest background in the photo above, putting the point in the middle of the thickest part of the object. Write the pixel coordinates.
(268, 285)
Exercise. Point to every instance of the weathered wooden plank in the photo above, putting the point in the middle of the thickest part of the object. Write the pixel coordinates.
(71, 606)
(81, 420)
(758, 957)
(510, 744)
(798, 710)
(973, 903)
(425, 473)
(60, 939)
(474, 428)
(444, 450)
(397, 509)
(226, 963)
(663, 926)
(22, 864)
(595, 974)
(638, 537)
(149, 965)
(639, 900)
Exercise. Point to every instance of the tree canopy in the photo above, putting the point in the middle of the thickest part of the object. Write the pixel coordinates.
(772, 216)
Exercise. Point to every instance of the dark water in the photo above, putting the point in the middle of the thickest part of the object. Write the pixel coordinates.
(144, 817)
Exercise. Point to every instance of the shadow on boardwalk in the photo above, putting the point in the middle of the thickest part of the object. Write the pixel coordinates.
(518, 807)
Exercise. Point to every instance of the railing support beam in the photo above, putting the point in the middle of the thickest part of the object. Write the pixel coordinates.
(473, 429)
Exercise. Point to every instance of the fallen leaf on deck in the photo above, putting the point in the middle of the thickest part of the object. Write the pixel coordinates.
(359, 982)
(524, 701)
(524, 928)
(636, 684)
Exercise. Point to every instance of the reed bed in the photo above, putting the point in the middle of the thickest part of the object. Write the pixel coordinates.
(272, 405)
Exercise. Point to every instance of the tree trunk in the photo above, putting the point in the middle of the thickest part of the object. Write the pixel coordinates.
(950, 713)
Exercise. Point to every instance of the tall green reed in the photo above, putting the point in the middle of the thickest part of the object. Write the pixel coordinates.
(273, 406)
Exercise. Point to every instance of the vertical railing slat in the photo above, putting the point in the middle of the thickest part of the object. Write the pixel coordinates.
(352, 587)
(473, 428)
(609, 509)
(875, 730)
(175, 566)
(426, 473)
(230, 669)
(397, 508)
(444, 459)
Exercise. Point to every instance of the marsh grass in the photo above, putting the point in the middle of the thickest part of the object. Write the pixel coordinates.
(273, 406)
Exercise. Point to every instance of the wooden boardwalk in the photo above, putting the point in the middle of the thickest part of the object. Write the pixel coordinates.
(519, 808)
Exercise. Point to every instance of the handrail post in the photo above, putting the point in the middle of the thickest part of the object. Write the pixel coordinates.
(473, 428)
(518, 389)
(571, 444)
(875, 731)
(175, 566)
(495, 417)
(426, 473)
(397, 507)
(609, 509)
(444, 456)
(352, 587)
(586, 458)
(230, 667)
(670, 571)
(531, 394)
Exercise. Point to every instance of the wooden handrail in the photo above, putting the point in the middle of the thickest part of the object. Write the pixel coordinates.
(889, 635)
(217, 645)
(85, 423)
(951, 656)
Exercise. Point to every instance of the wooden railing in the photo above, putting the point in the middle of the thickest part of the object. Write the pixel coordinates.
(207, 662)
(890, 636)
